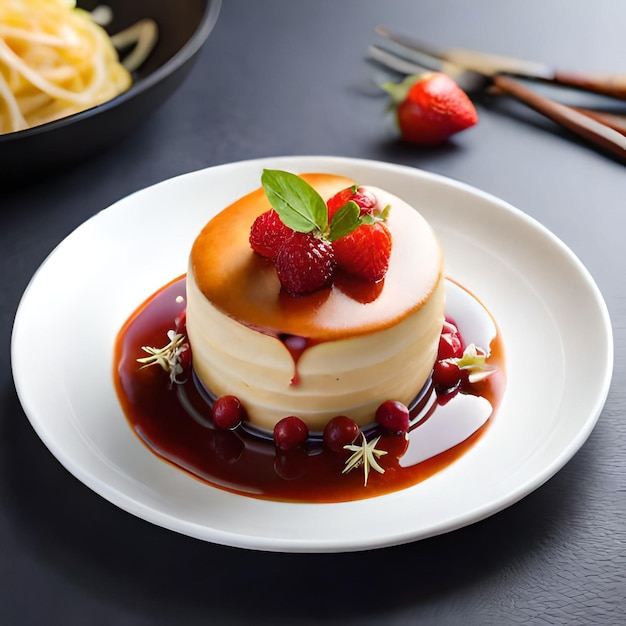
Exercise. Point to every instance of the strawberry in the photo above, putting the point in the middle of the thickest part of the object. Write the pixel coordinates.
(365, 251)
(430, 107)
(268, 233)
(363, 197)
(305, 263)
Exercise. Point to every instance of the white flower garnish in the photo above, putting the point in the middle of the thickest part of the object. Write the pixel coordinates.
(364, 455)
(474, 361)
(168, 357)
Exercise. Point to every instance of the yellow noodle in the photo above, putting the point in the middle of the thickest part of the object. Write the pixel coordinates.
(54, 61)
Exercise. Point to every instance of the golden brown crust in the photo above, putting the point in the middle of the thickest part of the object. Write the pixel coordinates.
(244, 285)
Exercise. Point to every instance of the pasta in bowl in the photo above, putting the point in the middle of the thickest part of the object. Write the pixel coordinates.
(77, 76)
(55, 60)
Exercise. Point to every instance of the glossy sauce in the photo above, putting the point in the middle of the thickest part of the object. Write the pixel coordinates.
(174, 422)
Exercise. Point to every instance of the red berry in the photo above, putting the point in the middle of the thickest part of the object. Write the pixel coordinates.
(365, 251)
(268, 234)
(227, 412)
(431, 108)
(446, 375)
(450, 343)
(305, 263)
(393, 415)
(339, 432)
(290, 432)
(363, 197)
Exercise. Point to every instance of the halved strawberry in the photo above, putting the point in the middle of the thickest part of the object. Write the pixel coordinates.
(268, 233)
(365, 251)
(305, 263)
(363, 197)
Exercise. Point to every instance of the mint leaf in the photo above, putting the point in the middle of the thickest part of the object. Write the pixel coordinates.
(298, 205)
(344, 221)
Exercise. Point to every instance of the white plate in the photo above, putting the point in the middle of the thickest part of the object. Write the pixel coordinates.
(543, 299)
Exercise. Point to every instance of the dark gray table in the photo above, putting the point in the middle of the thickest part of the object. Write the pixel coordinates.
(284, 78)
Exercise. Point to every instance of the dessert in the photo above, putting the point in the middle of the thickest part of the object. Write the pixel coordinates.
(343, 348)
(309, 340)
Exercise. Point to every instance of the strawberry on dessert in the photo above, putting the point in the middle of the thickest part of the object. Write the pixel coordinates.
(365, 251)
(364, 198)
(308, 238)
(305, 263)
(268, 233)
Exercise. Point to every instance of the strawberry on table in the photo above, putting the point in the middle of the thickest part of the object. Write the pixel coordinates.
(430, 108)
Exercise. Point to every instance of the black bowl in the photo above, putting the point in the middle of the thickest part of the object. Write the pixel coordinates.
(183, 29)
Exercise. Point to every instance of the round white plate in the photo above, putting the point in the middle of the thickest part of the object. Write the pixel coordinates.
(542, 297)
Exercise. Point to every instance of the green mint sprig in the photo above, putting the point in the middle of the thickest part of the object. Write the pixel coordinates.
(302, 209)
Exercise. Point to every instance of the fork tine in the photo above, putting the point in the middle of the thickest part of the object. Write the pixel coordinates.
(410, 44)
(395, 62)
(405, 62)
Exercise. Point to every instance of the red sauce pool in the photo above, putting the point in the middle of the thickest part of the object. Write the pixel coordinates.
(174, 422)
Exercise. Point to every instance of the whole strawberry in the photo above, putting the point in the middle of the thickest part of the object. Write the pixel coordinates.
(430, 108)
(267, 234)
(365, 251)
(305, 263)
(364, 198)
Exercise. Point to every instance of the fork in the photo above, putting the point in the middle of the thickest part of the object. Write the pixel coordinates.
(471, 81)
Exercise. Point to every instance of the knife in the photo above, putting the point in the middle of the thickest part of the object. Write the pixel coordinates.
(613, 85)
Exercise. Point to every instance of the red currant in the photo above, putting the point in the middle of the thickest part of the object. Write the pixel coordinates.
(396, 444)
(446, 375)
(450, 343)
(394, 416)
(227, 412)
(290, 432)
(339, 432)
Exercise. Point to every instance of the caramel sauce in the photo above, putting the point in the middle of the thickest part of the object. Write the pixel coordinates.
(244, 286)
(174, 422)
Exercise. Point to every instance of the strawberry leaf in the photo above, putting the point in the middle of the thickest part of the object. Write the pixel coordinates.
(298, 205)
(372, 218)
(344, 221)
(399, 91)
